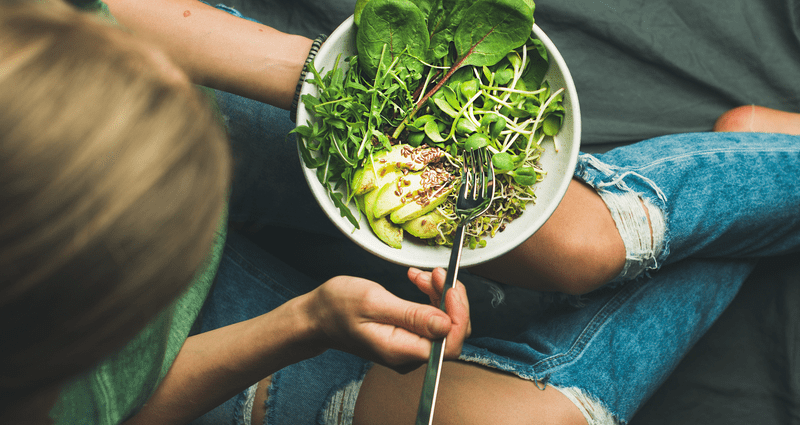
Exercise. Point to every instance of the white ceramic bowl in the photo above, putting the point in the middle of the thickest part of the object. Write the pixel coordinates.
(559, 167)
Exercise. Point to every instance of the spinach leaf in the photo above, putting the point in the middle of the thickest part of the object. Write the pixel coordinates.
(357, 12)
(442, 25)
(427, 5)
(489, 29)
(391, 30)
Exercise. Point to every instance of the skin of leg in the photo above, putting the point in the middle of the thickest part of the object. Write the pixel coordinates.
(468, 394)
(759, 119)
(576, 251)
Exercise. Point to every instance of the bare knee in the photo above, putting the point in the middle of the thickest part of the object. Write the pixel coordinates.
(738, 119)
(588, 261)
(759, 119)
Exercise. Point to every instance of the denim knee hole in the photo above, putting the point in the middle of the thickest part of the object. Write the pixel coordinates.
(341, 405)
(643, 237)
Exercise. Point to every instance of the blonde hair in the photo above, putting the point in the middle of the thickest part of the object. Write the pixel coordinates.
(113, 180)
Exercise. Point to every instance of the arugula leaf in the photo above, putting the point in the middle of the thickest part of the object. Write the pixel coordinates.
(308, 159)
(344, 210)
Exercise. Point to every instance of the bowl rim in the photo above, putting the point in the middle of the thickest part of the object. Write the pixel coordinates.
(439, 256)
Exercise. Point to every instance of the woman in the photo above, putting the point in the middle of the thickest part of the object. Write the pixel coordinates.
(623, 220)
(113, 193)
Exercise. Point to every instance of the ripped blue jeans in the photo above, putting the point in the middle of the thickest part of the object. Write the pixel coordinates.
(717, 202)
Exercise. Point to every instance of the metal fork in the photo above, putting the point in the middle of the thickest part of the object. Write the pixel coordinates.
(474, 198)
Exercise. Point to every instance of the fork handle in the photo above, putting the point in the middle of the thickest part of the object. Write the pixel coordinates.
(433, 372)
(455, 262)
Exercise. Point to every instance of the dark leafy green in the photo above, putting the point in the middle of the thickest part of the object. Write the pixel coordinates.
(486, 31)
(392, 30)
(489, 29)
(442, 24)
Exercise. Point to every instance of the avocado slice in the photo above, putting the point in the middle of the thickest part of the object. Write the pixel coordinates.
(394, 195)
(414, 193)
(365, 178)
(385, 230)
(425, 226)
(399, 157)
(421, 206)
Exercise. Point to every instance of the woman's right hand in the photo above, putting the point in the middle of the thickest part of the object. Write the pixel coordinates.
(363, 318)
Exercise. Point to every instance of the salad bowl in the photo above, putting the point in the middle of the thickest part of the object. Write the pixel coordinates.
(558, 162)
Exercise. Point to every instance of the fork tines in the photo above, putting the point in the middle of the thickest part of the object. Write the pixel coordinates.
(477, 167)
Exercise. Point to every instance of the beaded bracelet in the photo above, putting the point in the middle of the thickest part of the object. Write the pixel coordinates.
(311, 54)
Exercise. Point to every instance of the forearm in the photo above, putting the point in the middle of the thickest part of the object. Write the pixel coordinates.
(214, 366)
(344, 313)
(219, 50)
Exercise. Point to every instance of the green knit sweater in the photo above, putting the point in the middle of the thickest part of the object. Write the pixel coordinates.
(119, 386)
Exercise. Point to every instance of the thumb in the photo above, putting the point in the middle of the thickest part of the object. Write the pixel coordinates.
(424, 320)
(438, 325)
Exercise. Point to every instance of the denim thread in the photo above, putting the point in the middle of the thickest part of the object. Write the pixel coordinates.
(247, 405)
(593, 410)
(342, 401)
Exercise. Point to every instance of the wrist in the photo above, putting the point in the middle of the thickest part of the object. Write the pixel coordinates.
(311, 339)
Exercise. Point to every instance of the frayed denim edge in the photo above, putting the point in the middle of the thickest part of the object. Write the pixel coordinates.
(341, 404)
(247, 408)
(645, 251)
(593, 410)
(270, 417)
